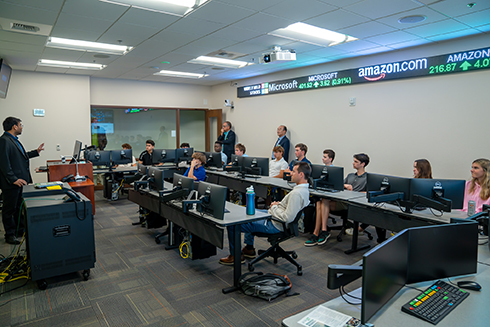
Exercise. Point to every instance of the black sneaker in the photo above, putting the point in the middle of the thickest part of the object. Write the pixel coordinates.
(323, 237)
(312, 241)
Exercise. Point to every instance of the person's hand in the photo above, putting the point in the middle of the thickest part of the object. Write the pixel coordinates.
(20, 182)
(40, 148)
(194, 163)
(222, 131)
(275, 203)
(348, 187)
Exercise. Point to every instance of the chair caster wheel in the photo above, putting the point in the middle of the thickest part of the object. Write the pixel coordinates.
(86, 274)
(300, 272)
(251, 268)
(157, 241)
(294, 255)
(42, 284)
(339, 239)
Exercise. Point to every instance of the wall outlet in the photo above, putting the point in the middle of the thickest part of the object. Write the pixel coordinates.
(352, 101)
(58, 147)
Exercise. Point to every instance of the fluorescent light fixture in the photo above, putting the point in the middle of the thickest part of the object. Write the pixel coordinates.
(311, 34)
(180, 74)
(69, 64)
(220, 62)
(60, 43)
(171, 7)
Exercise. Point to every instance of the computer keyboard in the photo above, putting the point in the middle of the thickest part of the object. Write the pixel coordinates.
(436, 302)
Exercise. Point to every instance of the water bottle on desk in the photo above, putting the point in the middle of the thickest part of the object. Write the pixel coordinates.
(250, 201)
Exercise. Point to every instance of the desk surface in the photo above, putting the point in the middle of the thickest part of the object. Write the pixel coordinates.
(473, 311)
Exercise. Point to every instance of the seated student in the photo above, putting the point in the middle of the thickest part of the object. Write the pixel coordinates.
(240, 150)
(126, 146)
(218, 147)
(286, 211)
(300, 150)
(196, 170)
(146, 157)
(422, 169)
(277, 165)
(322, 209)
(478, 188)
(185, 146)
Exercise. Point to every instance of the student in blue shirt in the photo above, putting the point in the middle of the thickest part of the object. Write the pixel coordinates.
(196, 170)
(300, 150)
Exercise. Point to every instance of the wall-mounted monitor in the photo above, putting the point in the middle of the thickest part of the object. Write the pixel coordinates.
(5, 73)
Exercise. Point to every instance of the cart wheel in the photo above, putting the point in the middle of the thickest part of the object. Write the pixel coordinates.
(300, 271)
(42, 284)
(250, 267)
(294, 255)
(86, 274)
(157, 241)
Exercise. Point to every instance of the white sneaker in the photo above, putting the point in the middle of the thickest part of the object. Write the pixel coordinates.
(350, 231)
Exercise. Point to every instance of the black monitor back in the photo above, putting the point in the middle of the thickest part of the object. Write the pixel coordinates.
(262, 163)
(184, 154)
(157, 156)
(217, 197)
(121, 157)
(183, 182)
(142, 169)
(213, 159)
(76, 150)
(335, 179)
(397, 184)
(236, 160)
(99, 158)
(155, 176)
(453, 189)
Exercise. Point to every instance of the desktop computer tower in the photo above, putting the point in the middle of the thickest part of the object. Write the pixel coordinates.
(60, 236)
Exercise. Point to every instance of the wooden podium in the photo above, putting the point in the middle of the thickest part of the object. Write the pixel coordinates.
(57, 170)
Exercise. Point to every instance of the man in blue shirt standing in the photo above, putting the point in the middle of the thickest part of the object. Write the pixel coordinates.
(282, 141)
(14, 174)
(228, 139)
(196, 170)
(300, 150)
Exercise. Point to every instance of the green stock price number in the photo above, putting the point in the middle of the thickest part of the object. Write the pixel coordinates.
(442, 68)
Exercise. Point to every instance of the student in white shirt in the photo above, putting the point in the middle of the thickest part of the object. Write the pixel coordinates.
(277, 166)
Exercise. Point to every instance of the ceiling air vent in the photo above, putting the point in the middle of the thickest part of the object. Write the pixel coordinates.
(225, 54)
(24, 27)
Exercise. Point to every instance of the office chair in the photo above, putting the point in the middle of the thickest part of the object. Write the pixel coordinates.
(275, 251)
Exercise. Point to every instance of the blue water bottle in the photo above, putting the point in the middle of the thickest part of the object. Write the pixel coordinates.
(250, 201)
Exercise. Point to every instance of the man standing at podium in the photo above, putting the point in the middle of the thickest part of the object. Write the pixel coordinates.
(14, 174)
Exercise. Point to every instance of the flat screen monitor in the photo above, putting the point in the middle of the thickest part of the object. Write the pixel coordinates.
(121, 157)
(214, 199)
(384, 273)
(184, 154)
(99, 158)
(163, 156)
(434, 189)
(5, 73)
(183, 182)
(155, 177)
(236, 161)
(327, 177)
(256, 166)
(142, 169)
(76, 150)
(213, 159)
(387, 185)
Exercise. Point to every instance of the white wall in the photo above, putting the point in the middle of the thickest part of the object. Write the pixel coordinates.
(66, 100)
(441, 118)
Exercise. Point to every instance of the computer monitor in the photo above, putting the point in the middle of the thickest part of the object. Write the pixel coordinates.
(384, 188)
(142, 170)
(213, 199)
(384, 273)
(327, 177)
(213, 159)
(184, 154)
(236, 163)
(440, 194)
(256, 166)
(99, 158)
(163, 156)
(155, 177)
(121, 157)
(76, 150)
(183, 182)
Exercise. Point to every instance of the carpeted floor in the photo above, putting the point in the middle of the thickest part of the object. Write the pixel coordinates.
(136, 282)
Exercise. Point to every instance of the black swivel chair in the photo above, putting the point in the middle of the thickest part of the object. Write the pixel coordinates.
(275, 251)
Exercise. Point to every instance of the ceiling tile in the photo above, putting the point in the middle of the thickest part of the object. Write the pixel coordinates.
(172, 40)
(365, 30)
(76, 34)
(62, 54)
(301, 47)
(23, 38)
(53, 5)
(432, 16)
(252, 4)
(194, 26)
(340, 3)
(129, 34)
(484, 28)
(4, 45)
(51, 69)
(454, 8)
(355, 46)
(336, 20)
(90, 57)
(141, 17)
(149, 49)
(236, 34)
(379, 8)
(19, 59)
(442, 27)
(476, 19)
(173, 58)
(393, 37)
(374, 50)
(222, 13)
(261, 43)
(94, 9)
(263, 23)
(408, 44)
(299, 10)
(452, 35)
(27, 13)
(69, 21)
(325, 52)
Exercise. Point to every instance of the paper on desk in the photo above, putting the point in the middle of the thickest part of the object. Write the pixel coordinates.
(325, 317)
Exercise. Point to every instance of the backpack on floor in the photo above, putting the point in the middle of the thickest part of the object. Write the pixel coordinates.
(265, 286)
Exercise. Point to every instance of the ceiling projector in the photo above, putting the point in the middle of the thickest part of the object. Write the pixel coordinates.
(278, 55)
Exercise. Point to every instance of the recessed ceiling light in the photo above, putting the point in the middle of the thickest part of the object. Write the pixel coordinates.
(171, 7)
(220, 62)
(311, 34)
(79, 45)
(179, 74)
(412, 19)
(69, 64)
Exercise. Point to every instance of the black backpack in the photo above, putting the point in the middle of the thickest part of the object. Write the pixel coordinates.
(267, 287)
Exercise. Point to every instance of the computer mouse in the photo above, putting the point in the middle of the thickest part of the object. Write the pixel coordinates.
(469, 285)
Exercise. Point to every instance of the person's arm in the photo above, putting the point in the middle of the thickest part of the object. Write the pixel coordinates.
(35, 153)
(287, 210)
(191, 170)
(286, 148)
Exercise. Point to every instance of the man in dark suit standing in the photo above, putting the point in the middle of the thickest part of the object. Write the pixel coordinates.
(228, 139)
(282, 141)
(14, 173)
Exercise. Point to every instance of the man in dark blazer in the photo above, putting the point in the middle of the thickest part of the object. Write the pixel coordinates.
(282, 141)
(228, 139)
(14, 173)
